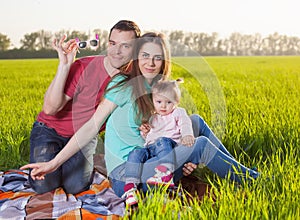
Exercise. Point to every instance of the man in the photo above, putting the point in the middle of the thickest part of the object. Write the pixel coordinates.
(70, 101)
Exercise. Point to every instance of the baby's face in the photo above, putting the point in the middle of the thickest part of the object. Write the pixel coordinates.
(163, 105)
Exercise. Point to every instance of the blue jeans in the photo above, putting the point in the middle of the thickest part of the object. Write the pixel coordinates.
(200, 128)
(74, 176)
(161, 150)
(207, 150)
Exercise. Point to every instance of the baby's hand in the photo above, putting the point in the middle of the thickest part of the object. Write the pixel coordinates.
(145, 128)
(188, 140)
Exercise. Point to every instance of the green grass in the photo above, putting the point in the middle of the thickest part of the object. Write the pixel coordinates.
(23, 84)
(252, 103)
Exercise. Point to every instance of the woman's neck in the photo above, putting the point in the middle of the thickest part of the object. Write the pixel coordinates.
(149, 81)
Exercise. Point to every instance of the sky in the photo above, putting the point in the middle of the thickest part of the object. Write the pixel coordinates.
(20, 17)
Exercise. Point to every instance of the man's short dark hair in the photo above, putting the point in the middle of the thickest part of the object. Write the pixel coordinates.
(126, 25)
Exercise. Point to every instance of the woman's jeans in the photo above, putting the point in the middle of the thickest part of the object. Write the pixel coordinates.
(161, 150)
(207, 150)
(74, 176)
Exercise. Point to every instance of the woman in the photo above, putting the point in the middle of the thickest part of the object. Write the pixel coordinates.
(127, 102)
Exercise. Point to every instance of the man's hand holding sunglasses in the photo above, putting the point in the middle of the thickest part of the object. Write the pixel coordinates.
(66, 50)
(93, 43)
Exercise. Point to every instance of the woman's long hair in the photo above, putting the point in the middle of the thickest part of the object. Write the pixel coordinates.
(136, 80)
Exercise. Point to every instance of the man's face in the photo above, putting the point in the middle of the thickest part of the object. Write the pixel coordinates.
(120, 47)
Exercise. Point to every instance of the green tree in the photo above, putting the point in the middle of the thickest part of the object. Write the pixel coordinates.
(71, 34)
(82, 36)
(176, 39)
(29, 42)
(44, 40)
(4, 42)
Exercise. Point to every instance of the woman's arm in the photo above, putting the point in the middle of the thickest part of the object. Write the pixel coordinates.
(82, 137)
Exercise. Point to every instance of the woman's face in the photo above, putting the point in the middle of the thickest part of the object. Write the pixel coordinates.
(150, 59)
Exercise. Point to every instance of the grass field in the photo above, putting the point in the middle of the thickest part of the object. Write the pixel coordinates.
(252, 103)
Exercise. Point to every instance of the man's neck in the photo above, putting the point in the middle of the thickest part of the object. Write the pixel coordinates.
(109, 68)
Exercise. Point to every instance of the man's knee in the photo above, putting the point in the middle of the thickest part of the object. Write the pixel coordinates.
(77, 188)
(43, 186)
(74, 187)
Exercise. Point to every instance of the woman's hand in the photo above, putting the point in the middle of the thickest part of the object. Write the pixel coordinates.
(39, 170)
(188, 168)
(66, 51)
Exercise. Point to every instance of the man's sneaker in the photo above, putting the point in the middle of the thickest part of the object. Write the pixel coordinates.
(131, 197)
(163, 177)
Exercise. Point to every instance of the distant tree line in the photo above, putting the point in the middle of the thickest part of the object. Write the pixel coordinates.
(38, 44)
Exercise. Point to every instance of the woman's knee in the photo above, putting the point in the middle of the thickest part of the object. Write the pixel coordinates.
(202, 139)
(197, 124)
(201, 143)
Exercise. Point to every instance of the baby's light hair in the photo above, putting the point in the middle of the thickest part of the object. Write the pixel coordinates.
(168, 88)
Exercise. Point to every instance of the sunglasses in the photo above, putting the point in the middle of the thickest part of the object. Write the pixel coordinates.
(92, 43)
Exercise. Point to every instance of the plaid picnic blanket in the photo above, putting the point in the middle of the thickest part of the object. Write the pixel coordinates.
(19, 201)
